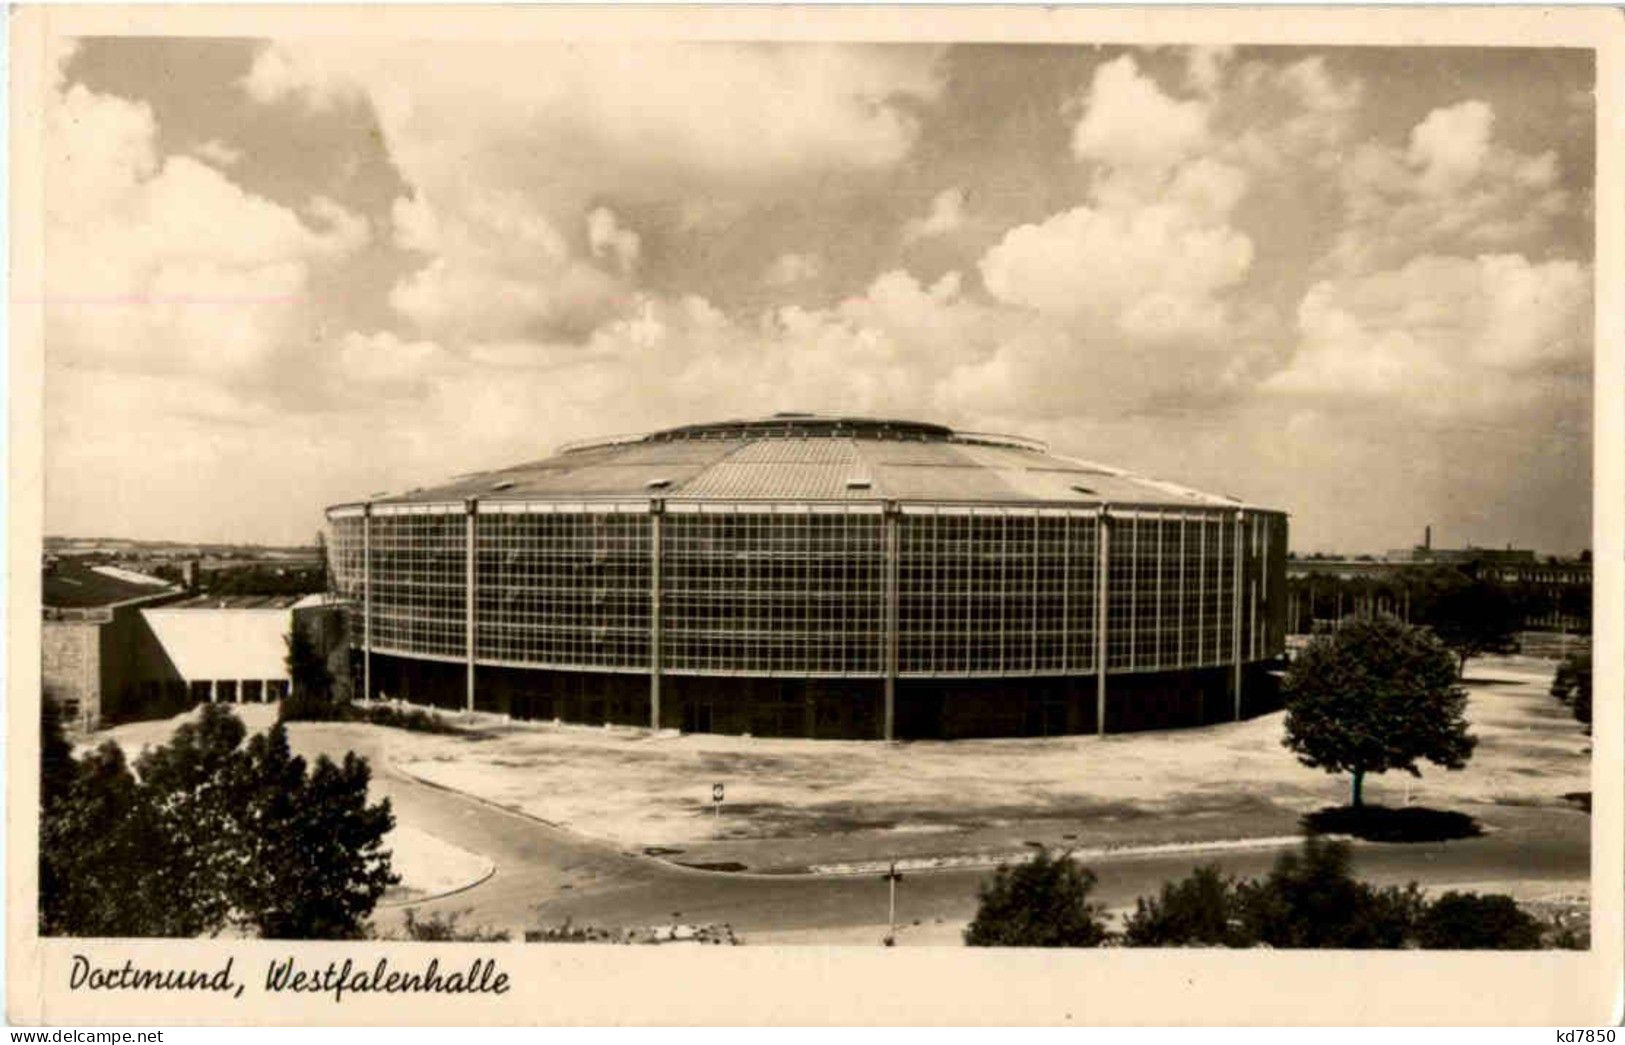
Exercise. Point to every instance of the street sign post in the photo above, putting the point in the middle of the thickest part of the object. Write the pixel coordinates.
(892, 877)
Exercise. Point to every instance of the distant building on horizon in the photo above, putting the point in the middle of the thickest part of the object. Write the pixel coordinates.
(1427, 553)
(1557, 593)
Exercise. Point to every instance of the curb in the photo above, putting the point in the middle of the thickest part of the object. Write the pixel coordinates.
(490, 872)
(981, 860)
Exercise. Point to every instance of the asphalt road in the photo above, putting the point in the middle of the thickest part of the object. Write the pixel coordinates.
(545, 875)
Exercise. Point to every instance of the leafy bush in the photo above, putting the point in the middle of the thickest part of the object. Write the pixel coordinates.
(1572, 685)
(1310, 899)
(301, 706)
(1201, 910)
(416, 720)
(1564, 927)
(1041, 903)
(442, 927)
(1470, 922)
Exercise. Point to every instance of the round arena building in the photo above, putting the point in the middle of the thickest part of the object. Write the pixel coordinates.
(812, 576)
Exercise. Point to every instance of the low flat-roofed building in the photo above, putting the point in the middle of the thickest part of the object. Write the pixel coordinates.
(229, 648)
(119, 645)
(91, 635)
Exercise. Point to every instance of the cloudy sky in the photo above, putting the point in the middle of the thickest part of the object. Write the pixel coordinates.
(1352, 283)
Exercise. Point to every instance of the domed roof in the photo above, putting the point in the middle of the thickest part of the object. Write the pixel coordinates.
(794, 456)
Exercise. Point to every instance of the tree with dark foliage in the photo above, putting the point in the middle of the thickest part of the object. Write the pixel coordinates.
(101, 855)
(1372, 696)
(307, 669)
(306, 828)
(208, 833)
(1311, 900)
(1041, 903)
(1470, 922)
(195, 787)
(1472, 616)
(1572, 685)
(1201, 910)
(56, 767)
(310, 682)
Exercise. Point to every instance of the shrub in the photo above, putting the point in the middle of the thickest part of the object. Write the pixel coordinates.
(1572, 685)
(1469, 922)
(302, 706)
(297, 708)
(1200, 910)
(1041, 903)
(416, 720)
(1310, 899)
(442, 927)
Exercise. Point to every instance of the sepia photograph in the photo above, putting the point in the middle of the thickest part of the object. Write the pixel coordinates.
(824, 490)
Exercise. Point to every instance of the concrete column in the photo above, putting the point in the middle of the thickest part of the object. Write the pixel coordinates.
(1103, 558)
(366, 602)
(1033, 554)
(1252, 620)
(657, 514)
(471, 508)
(1179, 636)
(889, 522)
(1235, 616)
(214, 691)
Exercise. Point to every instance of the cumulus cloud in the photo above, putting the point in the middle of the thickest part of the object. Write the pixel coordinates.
(505, 196)
(1129, 122)
(283, 72)
(1206, 66)
(1449, 147)
(586, 113)
(1291, 119)
(1451, 188)
(1447, 334)
(1171, 273)
(218, 153)
(499, 270)
(1147, 259)
(383, 364)
(789, 269)
(609, 242)
(1152, 271)
(947, 215)
(164, 263)
(1126, 301)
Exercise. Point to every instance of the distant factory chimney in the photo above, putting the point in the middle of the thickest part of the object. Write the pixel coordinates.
(1427, 538)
